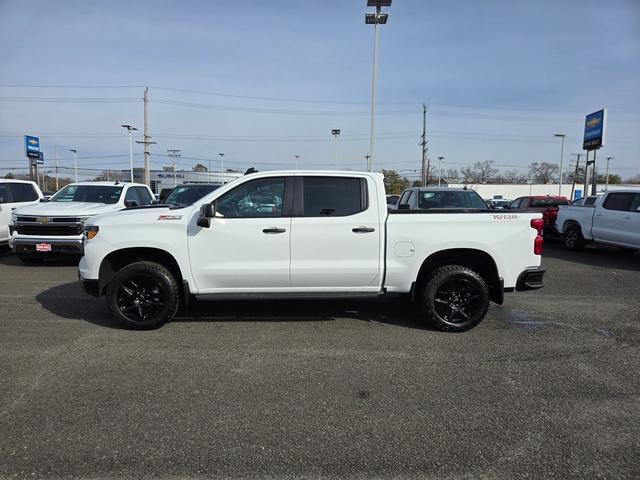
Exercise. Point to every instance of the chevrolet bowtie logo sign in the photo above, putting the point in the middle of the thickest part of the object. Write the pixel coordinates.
(42, 220)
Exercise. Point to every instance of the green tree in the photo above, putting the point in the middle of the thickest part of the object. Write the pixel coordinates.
(393, 182)
(613, 179)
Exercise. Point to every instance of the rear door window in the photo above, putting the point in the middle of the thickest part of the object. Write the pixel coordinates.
(333, 196)
(619, 201)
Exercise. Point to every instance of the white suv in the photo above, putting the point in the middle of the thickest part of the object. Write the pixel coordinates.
(14, 194)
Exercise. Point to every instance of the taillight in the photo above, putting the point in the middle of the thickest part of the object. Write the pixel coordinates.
(538, 225)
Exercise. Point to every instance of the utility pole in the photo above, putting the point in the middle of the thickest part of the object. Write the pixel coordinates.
(335, 132)
(439, 170)
(575, 174)
(423, 143)
(222, 167)
(55, 154)
(147, 139)
(367, 157)
(297, 157)
(75, 161)
(174, 155)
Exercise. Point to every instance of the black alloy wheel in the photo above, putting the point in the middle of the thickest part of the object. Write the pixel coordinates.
(454, 298)
(573, 239)
(143, 295)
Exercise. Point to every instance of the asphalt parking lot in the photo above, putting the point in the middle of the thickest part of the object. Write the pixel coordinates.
(546, 387)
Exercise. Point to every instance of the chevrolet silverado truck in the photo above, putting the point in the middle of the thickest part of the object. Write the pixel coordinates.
(54, 227)
(614, 220)
(308, 234)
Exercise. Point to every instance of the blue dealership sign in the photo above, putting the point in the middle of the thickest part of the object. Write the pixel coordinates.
(594, 130)
(31, 146)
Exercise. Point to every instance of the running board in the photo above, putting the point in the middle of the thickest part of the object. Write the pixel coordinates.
(287, 296)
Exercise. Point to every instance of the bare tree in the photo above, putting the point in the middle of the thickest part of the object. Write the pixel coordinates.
(543, 172)
(634, 179)
(480, 172)
(452, 173)
(511, 176)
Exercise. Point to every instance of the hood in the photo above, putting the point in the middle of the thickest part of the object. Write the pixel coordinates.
(142, 215)
(67, 209)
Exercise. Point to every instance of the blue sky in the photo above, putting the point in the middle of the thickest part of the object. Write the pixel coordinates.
(500, 78)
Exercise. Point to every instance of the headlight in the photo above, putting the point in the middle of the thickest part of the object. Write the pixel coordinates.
(90, 232)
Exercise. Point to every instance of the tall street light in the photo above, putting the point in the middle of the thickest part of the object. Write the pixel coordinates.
(75, 161)
(439, 170)
(606, 184)
(375, 19)
(297, 157)
(221, 155)
(335, 132)
(130, 129)
(561, 135)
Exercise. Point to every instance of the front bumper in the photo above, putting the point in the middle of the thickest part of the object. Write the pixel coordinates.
(530, 279)
(59, 246)
(89, 286)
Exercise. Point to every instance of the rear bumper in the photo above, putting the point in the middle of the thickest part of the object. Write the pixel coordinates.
(59, 246)
(530, 279)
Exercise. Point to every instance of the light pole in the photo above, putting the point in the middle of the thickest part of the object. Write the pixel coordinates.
(222, 166)
(297, 157)
(367, 157)
(439, 170)
(375, 19)
(606, 182)
(75, 161)
(335, 132)
(130, 129)
(561, 135)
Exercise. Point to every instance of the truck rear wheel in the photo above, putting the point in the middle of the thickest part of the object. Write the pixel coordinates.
(143, 295)
(572, 238)
(454, 298)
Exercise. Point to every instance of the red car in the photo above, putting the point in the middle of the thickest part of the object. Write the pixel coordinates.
(546, 204)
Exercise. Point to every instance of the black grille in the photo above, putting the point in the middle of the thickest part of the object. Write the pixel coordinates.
(53, 230)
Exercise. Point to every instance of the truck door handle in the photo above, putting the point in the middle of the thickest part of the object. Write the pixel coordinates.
(363, 230)
(627, 217)
(273, 230)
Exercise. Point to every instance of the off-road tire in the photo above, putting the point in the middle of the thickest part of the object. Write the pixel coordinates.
(453, 298)
(154, 289)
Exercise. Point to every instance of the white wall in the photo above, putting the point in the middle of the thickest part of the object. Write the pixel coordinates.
(513, 191)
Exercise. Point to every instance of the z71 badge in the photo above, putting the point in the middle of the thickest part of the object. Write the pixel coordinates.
(169, 217)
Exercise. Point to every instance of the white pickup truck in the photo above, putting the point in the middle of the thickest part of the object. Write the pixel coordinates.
(308, 234)
(54, 227)
(614, 220)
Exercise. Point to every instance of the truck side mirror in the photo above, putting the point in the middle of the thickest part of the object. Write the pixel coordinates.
(130, 203)
(207, 212)
(403, 206)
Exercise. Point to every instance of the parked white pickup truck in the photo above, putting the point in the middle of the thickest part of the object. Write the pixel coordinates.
(615, 220)
(14, 194)
(308, 234)
(54, 227)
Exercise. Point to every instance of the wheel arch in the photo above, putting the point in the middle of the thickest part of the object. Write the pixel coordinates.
(477, 260)
(118, 259)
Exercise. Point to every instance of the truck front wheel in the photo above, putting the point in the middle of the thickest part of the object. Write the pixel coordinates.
(143, 295)
(454, 298)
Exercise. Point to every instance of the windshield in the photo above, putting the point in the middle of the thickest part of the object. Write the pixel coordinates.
(549, 202)
(185, 195)
(89, 193)
(451, 199)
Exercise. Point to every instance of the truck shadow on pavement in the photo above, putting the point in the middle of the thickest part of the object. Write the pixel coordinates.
(593, 255)
(70, 302)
